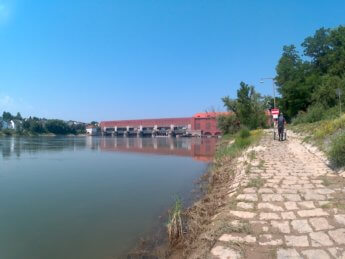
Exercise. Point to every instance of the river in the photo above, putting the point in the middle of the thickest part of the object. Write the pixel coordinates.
(90, 197)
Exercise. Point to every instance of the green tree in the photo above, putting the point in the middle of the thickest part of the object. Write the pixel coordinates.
(295, 90)
(249, 107)
(18, 116)
(313, 82)
(7, 116)
(58, 127)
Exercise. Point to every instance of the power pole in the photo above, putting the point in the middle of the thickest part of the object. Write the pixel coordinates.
(273, 88)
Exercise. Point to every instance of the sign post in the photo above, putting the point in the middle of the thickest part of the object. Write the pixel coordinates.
(275, 113)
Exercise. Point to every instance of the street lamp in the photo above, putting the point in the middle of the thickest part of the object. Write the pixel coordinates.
(273, 86)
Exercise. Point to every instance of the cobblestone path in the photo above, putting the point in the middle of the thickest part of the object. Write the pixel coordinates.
(291, 206)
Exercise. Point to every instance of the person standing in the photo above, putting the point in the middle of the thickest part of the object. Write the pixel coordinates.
(281, 124)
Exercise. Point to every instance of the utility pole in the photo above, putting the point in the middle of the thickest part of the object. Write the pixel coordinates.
(273, 88)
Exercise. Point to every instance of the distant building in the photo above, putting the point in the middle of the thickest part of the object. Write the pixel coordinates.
(201, 124)
(12, 125)
(91, 130)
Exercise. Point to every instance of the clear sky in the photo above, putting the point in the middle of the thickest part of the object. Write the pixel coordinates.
(107, 59)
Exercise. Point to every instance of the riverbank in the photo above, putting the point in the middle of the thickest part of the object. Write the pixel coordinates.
(197, 220)
(229, 167)
(28, 134)
(280, 201)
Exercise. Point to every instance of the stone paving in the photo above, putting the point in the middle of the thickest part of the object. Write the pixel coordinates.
(290, 203)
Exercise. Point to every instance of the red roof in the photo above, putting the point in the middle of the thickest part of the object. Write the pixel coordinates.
(209, 114)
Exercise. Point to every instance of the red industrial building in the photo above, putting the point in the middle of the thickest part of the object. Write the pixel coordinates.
(201, 124)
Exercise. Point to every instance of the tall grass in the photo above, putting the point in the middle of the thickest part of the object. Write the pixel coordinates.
(337, 150)
(240, 141)
(330, 127)
(174, 225)
(329, 136)
(316, 113)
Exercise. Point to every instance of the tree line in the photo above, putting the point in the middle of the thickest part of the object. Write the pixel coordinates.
(34, 125)
(311, 85)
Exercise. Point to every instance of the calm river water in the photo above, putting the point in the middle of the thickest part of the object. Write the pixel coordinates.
(90, 197)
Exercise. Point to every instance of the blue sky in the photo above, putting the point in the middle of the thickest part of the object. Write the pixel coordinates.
(97, 60)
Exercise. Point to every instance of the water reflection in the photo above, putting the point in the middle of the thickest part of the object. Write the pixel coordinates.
(90, 197)
(198, 148)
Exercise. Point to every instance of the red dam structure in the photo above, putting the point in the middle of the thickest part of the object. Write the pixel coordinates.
(201, 124)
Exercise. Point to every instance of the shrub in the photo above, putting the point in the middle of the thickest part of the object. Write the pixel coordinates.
(8, 132)
(58, 127)
(244, 133)
(228, 124)
(337, 151)
(314, 113)
(329, 127)
(242, 143)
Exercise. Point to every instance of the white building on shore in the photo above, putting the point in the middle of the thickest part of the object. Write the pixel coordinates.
(91, 130)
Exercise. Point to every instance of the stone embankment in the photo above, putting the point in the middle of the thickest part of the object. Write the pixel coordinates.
(284, 202)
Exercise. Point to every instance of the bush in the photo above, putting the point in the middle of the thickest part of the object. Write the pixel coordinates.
(337, 151)
(228, 124)
(8, 132)
(316, 113)
(242, 143)
(244, 133)
(58, 127)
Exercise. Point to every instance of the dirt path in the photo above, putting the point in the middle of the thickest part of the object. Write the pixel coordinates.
(294, 207)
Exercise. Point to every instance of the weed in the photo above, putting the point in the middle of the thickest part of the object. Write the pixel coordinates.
(326, 206)
(174, 226)
(326, 181)
(252, 155)
(248, 167)
(256, 182)
(337, 151)
(244, 133)
(261, 164)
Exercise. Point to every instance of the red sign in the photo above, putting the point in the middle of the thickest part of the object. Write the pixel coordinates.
(275, 111)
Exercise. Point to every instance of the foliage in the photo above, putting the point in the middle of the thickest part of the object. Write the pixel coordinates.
(244, 133)
(248, 109)
(313, 81)
(34, 125)
(316, 112)
(232, 145)
(174, 226)
(228, 124)
(58, 127)
(7, 116)
(327, 134)
(337, 151)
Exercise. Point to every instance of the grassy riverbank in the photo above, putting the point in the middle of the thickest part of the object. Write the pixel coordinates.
(328, 135)
(198, 229)
(185, 227)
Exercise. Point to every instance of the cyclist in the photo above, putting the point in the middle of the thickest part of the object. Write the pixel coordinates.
(281, 124)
